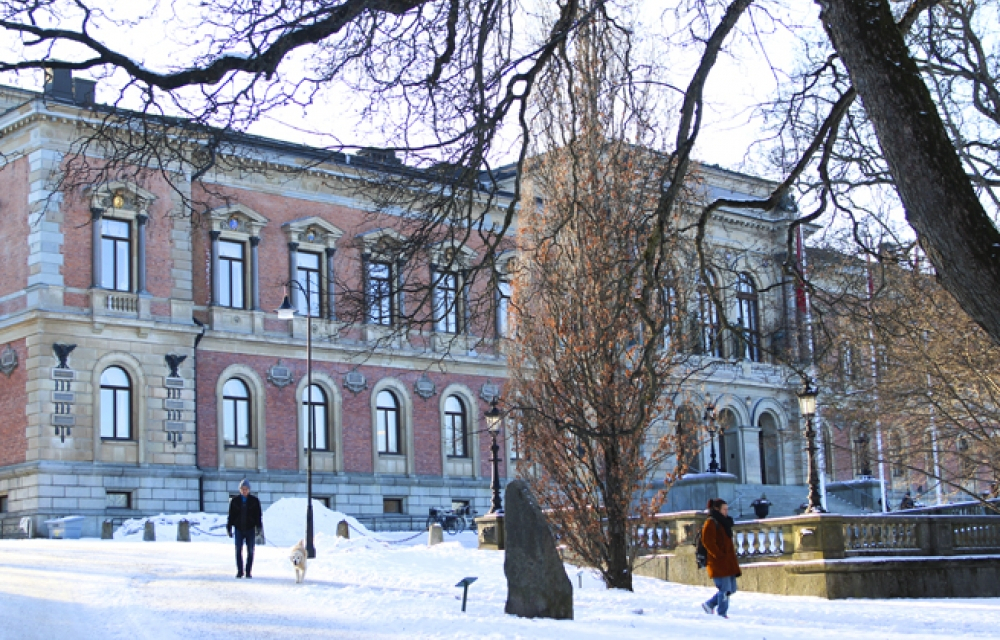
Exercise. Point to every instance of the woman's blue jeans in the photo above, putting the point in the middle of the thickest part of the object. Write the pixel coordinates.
(726, 587)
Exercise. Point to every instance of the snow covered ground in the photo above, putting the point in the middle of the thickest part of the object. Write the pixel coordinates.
(365, 588)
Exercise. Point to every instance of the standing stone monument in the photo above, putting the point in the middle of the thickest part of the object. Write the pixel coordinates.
(149, 531)
(342, 530)
(537, 584)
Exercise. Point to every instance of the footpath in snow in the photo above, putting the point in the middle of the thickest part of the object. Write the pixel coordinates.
(370, 587)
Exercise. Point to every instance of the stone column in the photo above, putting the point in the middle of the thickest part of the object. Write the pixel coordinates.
(254, 274)
(331, 308)
(214, 235)
(463, 305)
(140, 235)
(95, 233)
(293, 267)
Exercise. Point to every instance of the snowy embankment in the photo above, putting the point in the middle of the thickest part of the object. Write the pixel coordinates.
(371, 587)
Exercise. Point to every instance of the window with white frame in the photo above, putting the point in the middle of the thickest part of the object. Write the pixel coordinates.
(381, 293)
(748, 307)
(308, 276)
(116, 404)
(708, 320)
(503, 308)
(232, 274)
(236, 414)
(387, 422)
(116, 254)
(314, 403)
(455, 427)
(446, 295)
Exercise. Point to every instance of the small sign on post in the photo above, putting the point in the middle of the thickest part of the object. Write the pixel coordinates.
(464, 583)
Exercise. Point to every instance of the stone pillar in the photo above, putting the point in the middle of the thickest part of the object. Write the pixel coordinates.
(293, 268)
(435, 535)
(331, 312)
(214, 235)
(183, 531)
(107, 530)
(490, 529)
(818, 537)
(149, 531)
(343, 530)
(750, 445)
(140, 240)
(254, 274)
(95, 234)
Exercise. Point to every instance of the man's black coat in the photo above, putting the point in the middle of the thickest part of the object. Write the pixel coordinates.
(245, 516)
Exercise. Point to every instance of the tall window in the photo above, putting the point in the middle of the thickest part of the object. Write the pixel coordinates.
(503, 308)
(387, 422)
(380, 293)
(236, 413)
(896, 455)
(670, 316)
(455, 427)
(308, 276)
(446, 303)
(116, 255)
(231, 274)
(116, 404)
(314, 402)
(747, 302)
(708, 320)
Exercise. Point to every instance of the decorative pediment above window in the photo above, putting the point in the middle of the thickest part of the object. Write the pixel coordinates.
(122, 200)
(382, 244)
(313, 233)
(506, 262)
(237, 221)
(451, 255)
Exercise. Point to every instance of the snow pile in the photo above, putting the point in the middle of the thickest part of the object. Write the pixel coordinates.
(285, 523)
(204, 527)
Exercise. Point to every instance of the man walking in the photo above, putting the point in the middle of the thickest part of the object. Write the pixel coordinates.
(246, 518)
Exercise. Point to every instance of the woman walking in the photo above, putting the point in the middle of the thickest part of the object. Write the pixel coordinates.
(723, 568)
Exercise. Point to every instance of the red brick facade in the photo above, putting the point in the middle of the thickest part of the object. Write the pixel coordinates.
(13, 400)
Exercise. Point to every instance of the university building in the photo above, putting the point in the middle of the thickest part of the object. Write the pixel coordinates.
(143, 369)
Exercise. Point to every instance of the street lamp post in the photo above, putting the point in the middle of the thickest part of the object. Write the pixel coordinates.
(713, 465)
(286, 312)
(807, 408)
(493, 426)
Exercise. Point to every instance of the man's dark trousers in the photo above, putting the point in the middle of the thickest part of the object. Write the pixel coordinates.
(249, 538)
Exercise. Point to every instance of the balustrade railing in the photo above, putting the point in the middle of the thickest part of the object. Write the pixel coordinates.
(122, 303)
(867, 535)
(835, 536)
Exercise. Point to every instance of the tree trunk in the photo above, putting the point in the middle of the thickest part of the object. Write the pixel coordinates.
(619, 572)
(941, 204)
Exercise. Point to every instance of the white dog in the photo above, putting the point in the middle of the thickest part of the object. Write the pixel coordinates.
(298, 558)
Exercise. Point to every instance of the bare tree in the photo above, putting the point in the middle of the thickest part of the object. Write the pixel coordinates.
(933, 387)
(593, 361)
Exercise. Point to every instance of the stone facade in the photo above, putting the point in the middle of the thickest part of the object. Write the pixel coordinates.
(168, 309)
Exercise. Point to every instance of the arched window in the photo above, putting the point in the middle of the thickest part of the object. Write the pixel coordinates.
(747, 302)
(455, 427)
(387, 422)
(314, 403)
(236, 413)
(116, 404)
(708, 320)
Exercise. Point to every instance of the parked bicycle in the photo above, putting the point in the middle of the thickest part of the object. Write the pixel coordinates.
(451, 520)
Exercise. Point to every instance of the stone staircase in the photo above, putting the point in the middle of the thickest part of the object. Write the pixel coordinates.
(785, 501)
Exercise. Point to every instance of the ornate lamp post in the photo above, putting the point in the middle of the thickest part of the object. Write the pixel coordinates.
(493, 426)
(286, 312)
(807, 407)
(713, 465)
